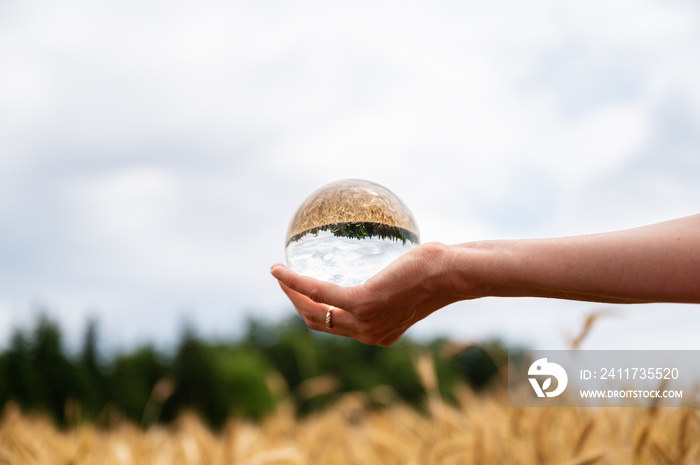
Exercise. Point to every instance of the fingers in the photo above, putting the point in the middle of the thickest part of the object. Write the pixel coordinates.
(314, 289)
(314, 314)
(312, 298)
(343, 322)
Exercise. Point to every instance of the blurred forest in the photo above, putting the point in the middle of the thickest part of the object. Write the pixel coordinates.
(244, 377)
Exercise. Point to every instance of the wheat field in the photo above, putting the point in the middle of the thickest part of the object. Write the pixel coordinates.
(482, 430)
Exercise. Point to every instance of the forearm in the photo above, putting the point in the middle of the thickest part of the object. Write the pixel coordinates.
(656, 263)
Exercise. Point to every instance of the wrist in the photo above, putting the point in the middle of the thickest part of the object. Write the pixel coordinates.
(436, 258)
(483, 269)
(473, 269)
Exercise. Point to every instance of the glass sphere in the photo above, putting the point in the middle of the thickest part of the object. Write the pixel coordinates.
(349, 230)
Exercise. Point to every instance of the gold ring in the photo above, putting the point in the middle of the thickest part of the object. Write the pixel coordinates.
(329, 317)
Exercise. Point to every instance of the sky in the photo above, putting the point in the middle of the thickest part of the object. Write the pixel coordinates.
(152, 153)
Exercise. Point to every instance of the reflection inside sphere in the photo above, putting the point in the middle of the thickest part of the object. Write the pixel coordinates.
(347, 231)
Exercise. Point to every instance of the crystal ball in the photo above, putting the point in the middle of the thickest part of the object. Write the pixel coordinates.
(347, 231)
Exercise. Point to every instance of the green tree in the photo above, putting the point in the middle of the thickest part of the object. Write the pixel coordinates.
(96, 387)
(50, 376)
(18, 381)
(219, 381)
(132, 378)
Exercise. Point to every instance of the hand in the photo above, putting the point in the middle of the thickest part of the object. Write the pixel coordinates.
(380, 310)
(655, 263)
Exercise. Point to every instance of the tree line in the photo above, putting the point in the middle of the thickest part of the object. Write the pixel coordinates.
(361, 230)
(246, 376)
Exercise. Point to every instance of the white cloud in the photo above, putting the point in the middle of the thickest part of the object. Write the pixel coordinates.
(153, 153)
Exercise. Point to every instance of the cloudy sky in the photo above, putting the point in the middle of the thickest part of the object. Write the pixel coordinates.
(152, 153)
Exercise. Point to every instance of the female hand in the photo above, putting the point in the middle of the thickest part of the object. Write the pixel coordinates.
(384, 307)
(654, 263)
